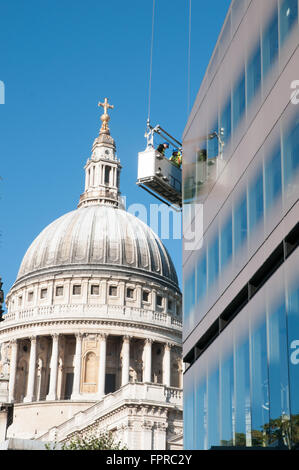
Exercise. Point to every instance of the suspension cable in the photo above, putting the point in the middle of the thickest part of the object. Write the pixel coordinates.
(189, 60)
(151, 64)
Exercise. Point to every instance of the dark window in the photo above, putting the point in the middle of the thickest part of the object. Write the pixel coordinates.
(159, 300)
(59, 291)
(145, 296)
(68, 385)
(76, 290)
(30, 296)
(107, 174)
(112, 290)
(169, 304)
(95, 290)
(110, 385)
(130, 293)
(43, 293)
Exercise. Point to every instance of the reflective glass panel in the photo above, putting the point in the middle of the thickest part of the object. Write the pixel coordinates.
(259, 383)
(288, 17)
(254, 74)
(201, 414)
(242, 393)
(213, 408)
(189, 295)
(189, 414)
(278, 374)
(239, 101)
(213, 261)
(240, 223)
(201, 278)
(293, 337)
(273, 178)
(226, 243)
(226, 400)
(291, 151)
(226, 122)
(256, 201)
(270, 44)
(213, 141)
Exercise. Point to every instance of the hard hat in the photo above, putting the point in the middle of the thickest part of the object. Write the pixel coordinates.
(175, 150)
(166, 143)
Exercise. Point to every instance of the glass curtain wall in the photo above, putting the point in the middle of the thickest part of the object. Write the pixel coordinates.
(245, 386)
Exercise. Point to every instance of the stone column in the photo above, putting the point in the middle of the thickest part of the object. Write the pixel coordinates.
(147, 361)
(138, 296)
(52, 395)
(101, 174)
(104, 292)
(31, 373)
(160, 436)
(67, 293)
(154, 299)
(85, 292)
(77, 367)
(174, 308)
(51, 292)
(35, 303)
(125, 360)
(147, 435)
(86, 179)
(39, 374)
(181, 373)
(166, 364)
(122, 292)
(102, 366)
(12, 370)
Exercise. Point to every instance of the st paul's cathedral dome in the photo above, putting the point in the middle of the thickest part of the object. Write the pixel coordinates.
(92, 337)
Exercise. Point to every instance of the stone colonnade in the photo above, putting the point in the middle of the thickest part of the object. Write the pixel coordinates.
(77, 394)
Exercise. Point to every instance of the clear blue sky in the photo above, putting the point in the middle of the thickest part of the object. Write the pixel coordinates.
(58, 58)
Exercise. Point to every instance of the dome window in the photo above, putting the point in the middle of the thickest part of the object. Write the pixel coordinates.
(43, 293)
(159, 300)
(130, 293)
(76, 289)
(145, 296)
(107, 174)
(94, 290)
(30, 296)
(112, 290)
(59, 291)
(169, 304)
(20, 300)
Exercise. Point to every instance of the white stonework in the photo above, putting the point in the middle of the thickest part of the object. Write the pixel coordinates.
(84, 343)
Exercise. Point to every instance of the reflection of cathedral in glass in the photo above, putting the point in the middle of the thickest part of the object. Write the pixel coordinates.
(241, 289)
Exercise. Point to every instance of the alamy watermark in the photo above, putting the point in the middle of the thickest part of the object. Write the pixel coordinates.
(295, 354)
(167, 223)
(295, 93)
(2, 92)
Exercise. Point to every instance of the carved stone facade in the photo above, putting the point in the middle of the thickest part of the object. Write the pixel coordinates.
(92, 337)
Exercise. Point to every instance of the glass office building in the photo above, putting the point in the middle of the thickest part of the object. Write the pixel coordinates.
(241, 278)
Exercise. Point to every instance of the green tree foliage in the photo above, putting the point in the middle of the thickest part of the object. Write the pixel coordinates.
(103, 441)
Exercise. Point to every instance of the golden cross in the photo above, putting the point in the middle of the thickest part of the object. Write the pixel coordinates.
(106, 105)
